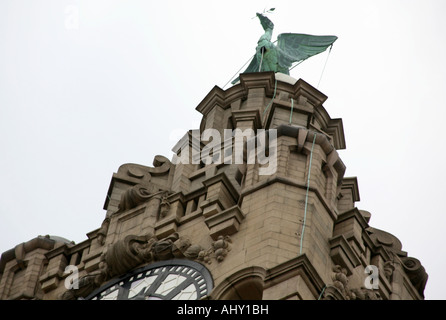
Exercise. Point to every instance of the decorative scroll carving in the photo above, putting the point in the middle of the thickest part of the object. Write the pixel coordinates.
(134, 251)
(141, 178)
(385, 239)
(135, 196)
(412, 266)
(161, 166)
(128, 253)
(416, 273)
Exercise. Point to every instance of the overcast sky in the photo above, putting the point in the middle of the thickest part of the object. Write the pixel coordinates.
(86, 86)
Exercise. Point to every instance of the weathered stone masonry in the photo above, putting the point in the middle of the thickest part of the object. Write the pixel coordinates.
(247, 229)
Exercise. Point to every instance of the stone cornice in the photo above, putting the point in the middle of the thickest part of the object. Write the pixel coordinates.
(342, 253)
(303, 88)
(222, 177)
(300, 265)
(353, 213)
(352, 184)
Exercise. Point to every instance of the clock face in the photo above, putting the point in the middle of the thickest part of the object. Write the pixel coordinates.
(167, 280)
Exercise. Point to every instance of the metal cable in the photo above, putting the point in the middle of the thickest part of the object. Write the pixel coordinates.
(306, 196)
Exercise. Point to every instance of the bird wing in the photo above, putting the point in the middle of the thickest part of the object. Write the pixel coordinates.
(294, 47)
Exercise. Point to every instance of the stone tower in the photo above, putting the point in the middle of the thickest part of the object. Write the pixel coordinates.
(261, 210)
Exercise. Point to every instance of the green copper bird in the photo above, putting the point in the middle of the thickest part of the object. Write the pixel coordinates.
(290, 48)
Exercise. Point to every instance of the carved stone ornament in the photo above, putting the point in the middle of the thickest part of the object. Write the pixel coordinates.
(389, 267)
(221, 247)
(364, 294)
(332, 293)
(102, 233)
(385, 239)
(134, 251)
(136, 195)
(87, 283)
(164, 205)
(416, 273)
(340, 290)
(340, 280)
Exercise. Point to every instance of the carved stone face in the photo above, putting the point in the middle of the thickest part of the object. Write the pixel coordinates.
(180, 246)
(142, 250)
(163, 249)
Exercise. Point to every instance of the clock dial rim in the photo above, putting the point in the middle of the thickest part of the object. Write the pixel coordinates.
(202, 271)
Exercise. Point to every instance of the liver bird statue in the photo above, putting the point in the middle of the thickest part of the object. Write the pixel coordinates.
(290, 48)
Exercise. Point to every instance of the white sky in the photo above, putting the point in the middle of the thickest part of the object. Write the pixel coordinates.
(77, 103)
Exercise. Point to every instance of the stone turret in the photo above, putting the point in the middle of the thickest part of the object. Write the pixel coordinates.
(255, 198)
